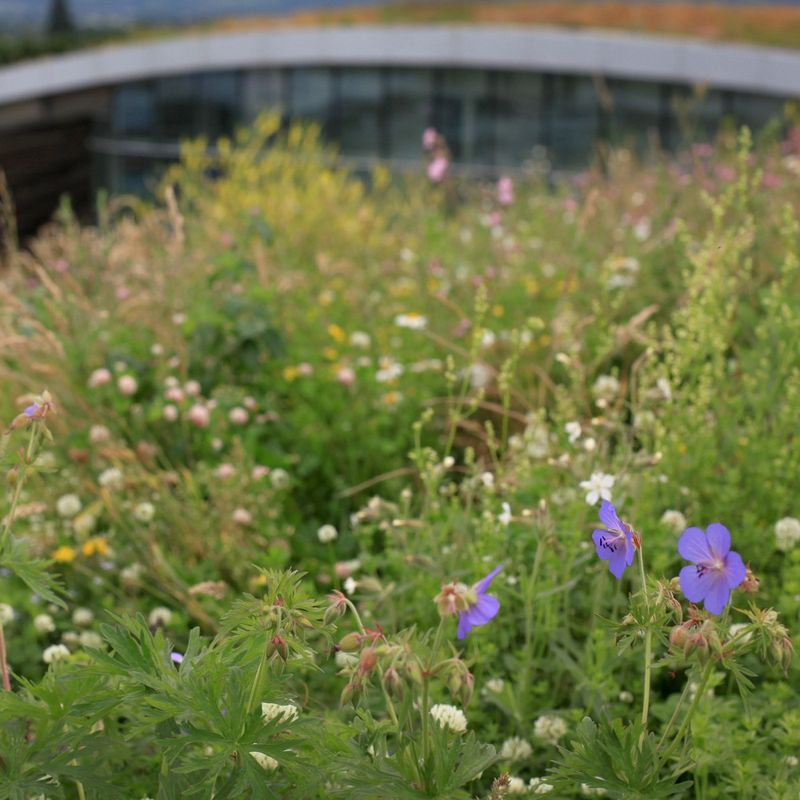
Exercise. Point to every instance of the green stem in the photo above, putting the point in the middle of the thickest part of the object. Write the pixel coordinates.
(81, 792)
(701, 689)
(3, 662)
(426, 679)
(648, 647)
(530, 592)
(674, 716)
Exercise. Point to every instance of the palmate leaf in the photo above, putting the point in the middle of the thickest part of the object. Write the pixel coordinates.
(32, 571)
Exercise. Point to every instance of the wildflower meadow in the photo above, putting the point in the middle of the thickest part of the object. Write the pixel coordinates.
(329, 485)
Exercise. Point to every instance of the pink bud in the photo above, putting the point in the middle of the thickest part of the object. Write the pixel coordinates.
(437, 169)
(346, 376)
(505, 191)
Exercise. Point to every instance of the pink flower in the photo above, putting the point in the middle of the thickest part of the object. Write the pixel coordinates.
(127, 385)
(429, 137)
(305, 369)
(241, 516)
(346, 376)
(259, 472)
(192, 388)
(438, 168)
(100, 377)
(238, 416)
(505, 191)
(199, 416)
(170, 412)
(174, 395)
(224, 471)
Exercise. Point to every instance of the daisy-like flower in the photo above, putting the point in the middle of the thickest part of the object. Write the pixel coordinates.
(598, 487)
(717, 570)
(615, 543)
(412, 320)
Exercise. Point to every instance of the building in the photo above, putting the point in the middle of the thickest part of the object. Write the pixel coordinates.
(109, 117)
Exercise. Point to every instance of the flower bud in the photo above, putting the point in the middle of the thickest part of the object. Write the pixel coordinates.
(351, 642)
(393, 682)
(452, 599)
(750, 583)
(368, 661)
(414, 671)
(277, 646)
(348, 693)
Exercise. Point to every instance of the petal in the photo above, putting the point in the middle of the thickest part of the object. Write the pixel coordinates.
(592, 497)
(719, 539)
(483, 585)
(608, 516)
(464, 625)
(735, 570)
(484, 610)
(616, 564)
(606, 543)
(693, 546)
(718, 595)
(695, 582)
(630, 550)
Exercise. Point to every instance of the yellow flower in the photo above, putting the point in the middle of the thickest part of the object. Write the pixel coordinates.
(392, 398)
(64, 554)
(289, 373)
(331, 353)
(96, 545)
(498, 310)
(259, 580)
(531, 285)
(336, 333)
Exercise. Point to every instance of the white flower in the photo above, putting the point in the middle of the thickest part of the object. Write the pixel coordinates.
(449, 717)
(56, 652)
(588, 791)
(192, 388)
(787, 533)
(129, 576)
(82, 617)
(159, 616)
(84, 524)
(606, 387)
(350, 585)
(674, 520)
(99, 434)
(598, 486)
(68, 505)
(549, 729)
(487, 479)
(170, 412)
(279, 478)
(44, 623)
(282, 713)
(264, 761)
(127, 385)
(238, 416)
(479, 375)
(110, 478)
(327, 533)
(360, 339)
(144, 512)
(589, 444)
(791, 761)
(495, 685)
(390, 370)
(91, 639)
(412, 320)
(517, 786)
(662, 384)
(573, 430)
(100, 377)
(6, 613)
(504, 518)
(515, 749)
(540, 786)
(625, 696)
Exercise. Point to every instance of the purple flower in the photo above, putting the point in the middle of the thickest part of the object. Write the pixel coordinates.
(176, 657)
(717, 570)
(31, 410)
(482, 607)
(615, 544)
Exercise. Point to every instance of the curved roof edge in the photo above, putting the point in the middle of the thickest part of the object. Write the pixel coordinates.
(750, 68)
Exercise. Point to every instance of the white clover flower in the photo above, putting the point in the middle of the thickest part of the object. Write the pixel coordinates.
(495, 685)
(56, 652)
(327, 533)
(282, 713)
(589, 444)
(479, 376)
(279, 478)
(674, 520)
(238, 416)
(91, 639)
(127, 385)
(144, 512)
(515, 749)
(487, 479)
(68, 505)
(170, 412)
(99, 434)
(71, 638)
(540, 786)
(82, 617)
(130, 575)
(6, 613)
(517, 786)
(787, 534)
(573, 430)
(412, 320)
(199, 415)
(159, 616)
(84, 524)
(360, 339)
(450, 717)
(549, 729)
(791, 761)
(264, 761)
(44, 623)
(598, 486)
(100, 377)
(390, 370)
(111, 478)
(505, 517)
(606, 387)
(350, 585)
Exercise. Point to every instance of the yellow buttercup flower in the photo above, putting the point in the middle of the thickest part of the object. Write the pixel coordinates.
(289, 373)
(96, 545)
(64, 554)
(336, 333)
(331, 353)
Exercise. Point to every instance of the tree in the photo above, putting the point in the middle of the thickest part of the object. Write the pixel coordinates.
(59, 19)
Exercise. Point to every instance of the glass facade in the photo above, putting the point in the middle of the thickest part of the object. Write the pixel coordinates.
(492, 119)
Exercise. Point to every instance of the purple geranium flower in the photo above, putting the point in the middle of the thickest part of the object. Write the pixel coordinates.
(717, 569)
(482, 607)
(31, 410)
(615, 544)
(176, 657)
